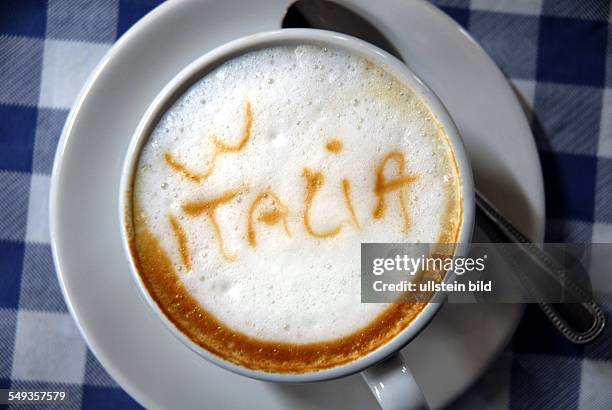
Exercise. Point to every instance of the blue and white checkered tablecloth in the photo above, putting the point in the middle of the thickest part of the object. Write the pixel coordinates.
(556, 53)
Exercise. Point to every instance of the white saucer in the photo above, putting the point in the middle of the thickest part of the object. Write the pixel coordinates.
(132, 344)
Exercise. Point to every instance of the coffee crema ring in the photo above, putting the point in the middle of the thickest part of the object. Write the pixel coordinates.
(250, 248)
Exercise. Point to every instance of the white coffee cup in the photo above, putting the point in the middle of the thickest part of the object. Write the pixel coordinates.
(389, 379)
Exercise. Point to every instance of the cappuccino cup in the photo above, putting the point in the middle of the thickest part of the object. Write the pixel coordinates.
(252, 180)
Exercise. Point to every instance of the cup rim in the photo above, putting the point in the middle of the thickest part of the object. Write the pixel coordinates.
(208, 62)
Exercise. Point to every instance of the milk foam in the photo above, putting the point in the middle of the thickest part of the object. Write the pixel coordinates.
(295, 288)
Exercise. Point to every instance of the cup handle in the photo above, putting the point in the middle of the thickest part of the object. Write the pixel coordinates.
(393, 385)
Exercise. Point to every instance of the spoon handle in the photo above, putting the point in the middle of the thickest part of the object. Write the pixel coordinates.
(579, 322)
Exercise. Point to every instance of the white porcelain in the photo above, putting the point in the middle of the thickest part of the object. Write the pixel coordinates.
(394, 395)
(122, 331)
(394, 385)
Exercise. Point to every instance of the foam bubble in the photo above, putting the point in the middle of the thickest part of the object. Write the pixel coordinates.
(292, 286)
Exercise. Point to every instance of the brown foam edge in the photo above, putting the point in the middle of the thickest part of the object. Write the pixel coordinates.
(163, 284)
(165, 287)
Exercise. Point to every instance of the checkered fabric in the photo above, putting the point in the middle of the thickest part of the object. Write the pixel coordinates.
(557, 55)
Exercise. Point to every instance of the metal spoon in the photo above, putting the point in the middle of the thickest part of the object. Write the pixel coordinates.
(579, 322)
